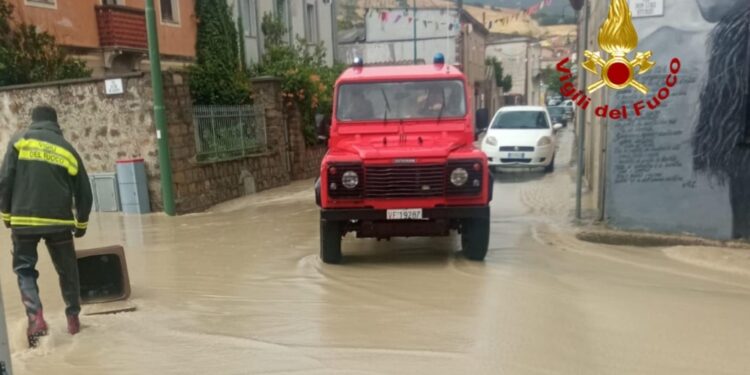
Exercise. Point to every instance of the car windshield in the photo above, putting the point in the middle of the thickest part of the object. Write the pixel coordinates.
(401, 100)
(556, 111)
(521, 120)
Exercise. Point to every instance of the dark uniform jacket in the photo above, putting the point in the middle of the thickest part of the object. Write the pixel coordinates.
(41, 178)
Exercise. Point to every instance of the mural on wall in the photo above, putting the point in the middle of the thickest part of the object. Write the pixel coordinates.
(720, 143)
(682, 168)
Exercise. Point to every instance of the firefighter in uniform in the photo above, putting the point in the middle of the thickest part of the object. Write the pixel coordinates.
(41, 177)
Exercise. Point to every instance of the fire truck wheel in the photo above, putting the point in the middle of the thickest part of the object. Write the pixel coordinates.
(330, 241)
(475, 238)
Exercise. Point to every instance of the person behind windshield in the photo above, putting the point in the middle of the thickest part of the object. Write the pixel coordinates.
(434, 103)
(359, 107)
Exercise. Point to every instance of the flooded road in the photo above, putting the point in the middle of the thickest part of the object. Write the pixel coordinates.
(242, 291)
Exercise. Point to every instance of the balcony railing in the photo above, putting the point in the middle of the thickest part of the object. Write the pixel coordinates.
(121, 27)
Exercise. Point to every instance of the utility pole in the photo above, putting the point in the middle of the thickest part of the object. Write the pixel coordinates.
(414, 6)
(160, 117)
(527, 64)
(581, 131)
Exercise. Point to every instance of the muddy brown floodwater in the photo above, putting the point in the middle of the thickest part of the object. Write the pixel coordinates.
(241, 291)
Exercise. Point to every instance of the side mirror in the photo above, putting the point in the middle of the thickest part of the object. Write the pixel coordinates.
(557, 126)
(323, 127)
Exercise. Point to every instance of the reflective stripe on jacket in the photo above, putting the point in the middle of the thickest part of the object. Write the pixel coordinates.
(42, 180)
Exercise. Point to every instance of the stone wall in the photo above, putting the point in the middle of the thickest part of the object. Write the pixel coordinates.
(197, 185)
(305, 160)
(103, 128)
(106, 128)
(309, 165)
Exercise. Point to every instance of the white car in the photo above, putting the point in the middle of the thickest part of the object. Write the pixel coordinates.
(521, 136)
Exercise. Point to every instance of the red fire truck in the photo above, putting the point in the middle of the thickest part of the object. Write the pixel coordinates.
(401, 159)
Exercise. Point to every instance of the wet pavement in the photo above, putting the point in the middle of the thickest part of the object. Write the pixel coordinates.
(241, 291)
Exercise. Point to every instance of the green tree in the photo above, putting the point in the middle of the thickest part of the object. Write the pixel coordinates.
(306, 80)
(551, 78)
(217, 77)
(501, 80)
(547, 19)
(29, 56)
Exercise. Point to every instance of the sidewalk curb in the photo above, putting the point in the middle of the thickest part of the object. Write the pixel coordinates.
(647, 239)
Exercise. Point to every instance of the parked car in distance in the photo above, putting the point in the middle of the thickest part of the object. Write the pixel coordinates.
(521, 136)
(558, 115)
(570, 108)
(401, 160)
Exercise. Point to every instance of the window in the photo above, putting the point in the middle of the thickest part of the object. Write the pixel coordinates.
(311, 23)
(556, 111)
(113, 2)
(42, 3)
(387, 101)
(521, 120)
(281, 11)
(249, 18)
(170, 11)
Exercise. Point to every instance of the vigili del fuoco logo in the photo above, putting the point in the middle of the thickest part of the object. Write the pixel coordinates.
(618, 38)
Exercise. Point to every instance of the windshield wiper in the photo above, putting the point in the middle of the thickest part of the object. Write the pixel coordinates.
(387, 106)
(442, 107)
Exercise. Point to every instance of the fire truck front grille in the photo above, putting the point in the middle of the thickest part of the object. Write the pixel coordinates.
(412, 181)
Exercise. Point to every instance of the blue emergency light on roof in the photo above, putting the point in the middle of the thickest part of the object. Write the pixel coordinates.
(358, 62)
(439, 59)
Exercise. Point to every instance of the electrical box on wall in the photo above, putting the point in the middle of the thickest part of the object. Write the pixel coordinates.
(133, 186)
(104, 189)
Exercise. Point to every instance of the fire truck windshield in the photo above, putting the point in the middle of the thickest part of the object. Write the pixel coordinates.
(385, 101)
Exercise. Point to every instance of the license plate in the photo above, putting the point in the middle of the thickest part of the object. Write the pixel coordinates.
(516, 155)
(406, 214)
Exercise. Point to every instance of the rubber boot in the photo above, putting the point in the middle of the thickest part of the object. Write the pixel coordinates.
(37, 328)
(74, 325)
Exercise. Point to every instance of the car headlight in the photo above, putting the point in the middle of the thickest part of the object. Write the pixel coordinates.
(350, 179)
(459, 176)
(544, 141)
(490, 140)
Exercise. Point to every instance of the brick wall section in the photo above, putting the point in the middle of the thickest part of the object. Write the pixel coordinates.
(121, 27)
(198, 186)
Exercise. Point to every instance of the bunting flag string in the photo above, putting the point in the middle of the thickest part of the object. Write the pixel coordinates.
(390, 16)
(514, 17)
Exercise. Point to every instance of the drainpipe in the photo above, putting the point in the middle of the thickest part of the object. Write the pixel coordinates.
(415, 31)
(581, 131)
(160, 116)
(603, 170)
(334, 32)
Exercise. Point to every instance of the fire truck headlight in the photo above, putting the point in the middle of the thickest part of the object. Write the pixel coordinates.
(459, 176)
(350, 179)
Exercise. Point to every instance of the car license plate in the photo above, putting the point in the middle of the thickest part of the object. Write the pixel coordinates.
(405, 214)
(516, 155)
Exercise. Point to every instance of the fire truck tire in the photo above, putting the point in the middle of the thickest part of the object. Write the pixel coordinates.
(475, 238)
(330, 242)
